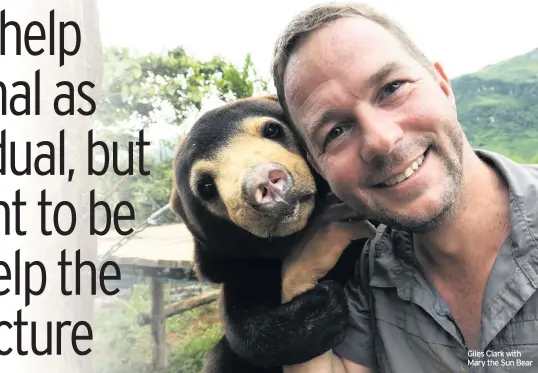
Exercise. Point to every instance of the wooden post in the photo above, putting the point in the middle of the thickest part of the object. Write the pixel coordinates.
(158, 327)
(181, 306)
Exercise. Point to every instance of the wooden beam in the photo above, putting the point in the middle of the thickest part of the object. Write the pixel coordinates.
(181, 306)
(158, 330)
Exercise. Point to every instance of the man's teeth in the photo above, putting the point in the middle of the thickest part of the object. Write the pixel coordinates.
(408, 172)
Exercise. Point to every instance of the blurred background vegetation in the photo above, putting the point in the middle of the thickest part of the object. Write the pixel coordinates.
(498, 107)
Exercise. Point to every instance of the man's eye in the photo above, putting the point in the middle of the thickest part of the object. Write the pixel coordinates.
(333, 134)
(390, 88)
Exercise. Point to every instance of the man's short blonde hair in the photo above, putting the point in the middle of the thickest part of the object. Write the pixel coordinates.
(306, 22)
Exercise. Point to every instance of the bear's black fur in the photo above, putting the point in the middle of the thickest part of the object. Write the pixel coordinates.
(261, 334)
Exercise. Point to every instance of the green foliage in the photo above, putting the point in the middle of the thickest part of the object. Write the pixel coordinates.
(498, 107)
(190, 357)
(144, 85)
(243, 83)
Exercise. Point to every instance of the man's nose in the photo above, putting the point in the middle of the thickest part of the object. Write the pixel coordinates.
(379, 136)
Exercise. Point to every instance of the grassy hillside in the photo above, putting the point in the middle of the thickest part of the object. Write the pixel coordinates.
(498, 107)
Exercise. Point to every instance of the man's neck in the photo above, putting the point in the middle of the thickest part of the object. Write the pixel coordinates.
(478, 228)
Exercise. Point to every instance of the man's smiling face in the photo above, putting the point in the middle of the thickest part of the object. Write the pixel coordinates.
(380, 127)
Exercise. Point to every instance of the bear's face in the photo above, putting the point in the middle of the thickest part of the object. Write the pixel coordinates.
(257, 179)
(242, 167)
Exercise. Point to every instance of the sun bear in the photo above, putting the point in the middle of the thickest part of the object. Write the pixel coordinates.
(244, 189)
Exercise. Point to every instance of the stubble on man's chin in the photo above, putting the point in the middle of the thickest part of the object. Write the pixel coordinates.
(424, 223)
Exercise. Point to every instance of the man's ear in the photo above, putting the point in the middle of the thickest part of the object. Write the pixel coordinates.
(444, 81)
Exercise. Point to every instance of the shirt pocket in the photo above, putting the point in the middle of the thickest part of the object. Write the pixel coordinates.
(411, 339)
(411, 318)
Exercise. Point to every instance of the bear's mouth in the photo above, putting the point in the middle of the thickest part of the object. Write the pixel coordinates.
(288, 212)
(284, 206)
(281, 217)
(293, 212)
(306, 198)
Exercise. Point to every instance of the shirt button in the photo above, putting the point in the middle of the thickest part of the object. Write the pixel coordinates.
(440, 307)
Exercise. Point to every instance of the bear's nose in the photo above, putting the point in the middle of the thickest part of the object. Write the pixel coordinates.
(266, 185)
(270, 188)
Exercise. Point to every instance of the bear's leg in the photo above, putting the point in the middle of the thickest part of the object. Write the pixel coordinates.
(221, 359)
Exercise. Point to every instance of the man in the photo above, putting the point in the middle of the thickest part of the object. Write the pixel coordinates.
(453, 274)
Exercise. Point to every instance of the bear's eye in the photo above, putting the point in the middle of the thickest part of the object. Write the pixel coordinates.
(272, 130)
(206, 187)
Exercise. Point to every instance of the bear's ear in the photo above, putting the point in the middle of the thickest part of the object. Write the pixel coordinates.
(175, 202)
(271, 98)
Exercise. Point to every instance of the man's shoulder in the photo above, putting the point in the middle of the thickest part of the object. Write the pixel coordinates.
(532, 169)
(508, 167)
(524, 181)
(521, 178)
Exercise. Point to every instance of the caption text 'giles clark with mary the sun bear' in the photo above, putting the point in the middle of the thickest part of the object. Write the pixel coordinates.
(43, 158)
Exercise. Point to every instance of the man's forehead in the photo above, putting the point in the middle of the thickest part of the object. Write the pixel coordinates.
(331, 58)
(306, 85)
(329, 49)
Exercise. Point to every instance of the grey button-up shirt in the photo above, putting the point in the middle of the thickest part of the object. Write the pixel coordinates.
(399, 323)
